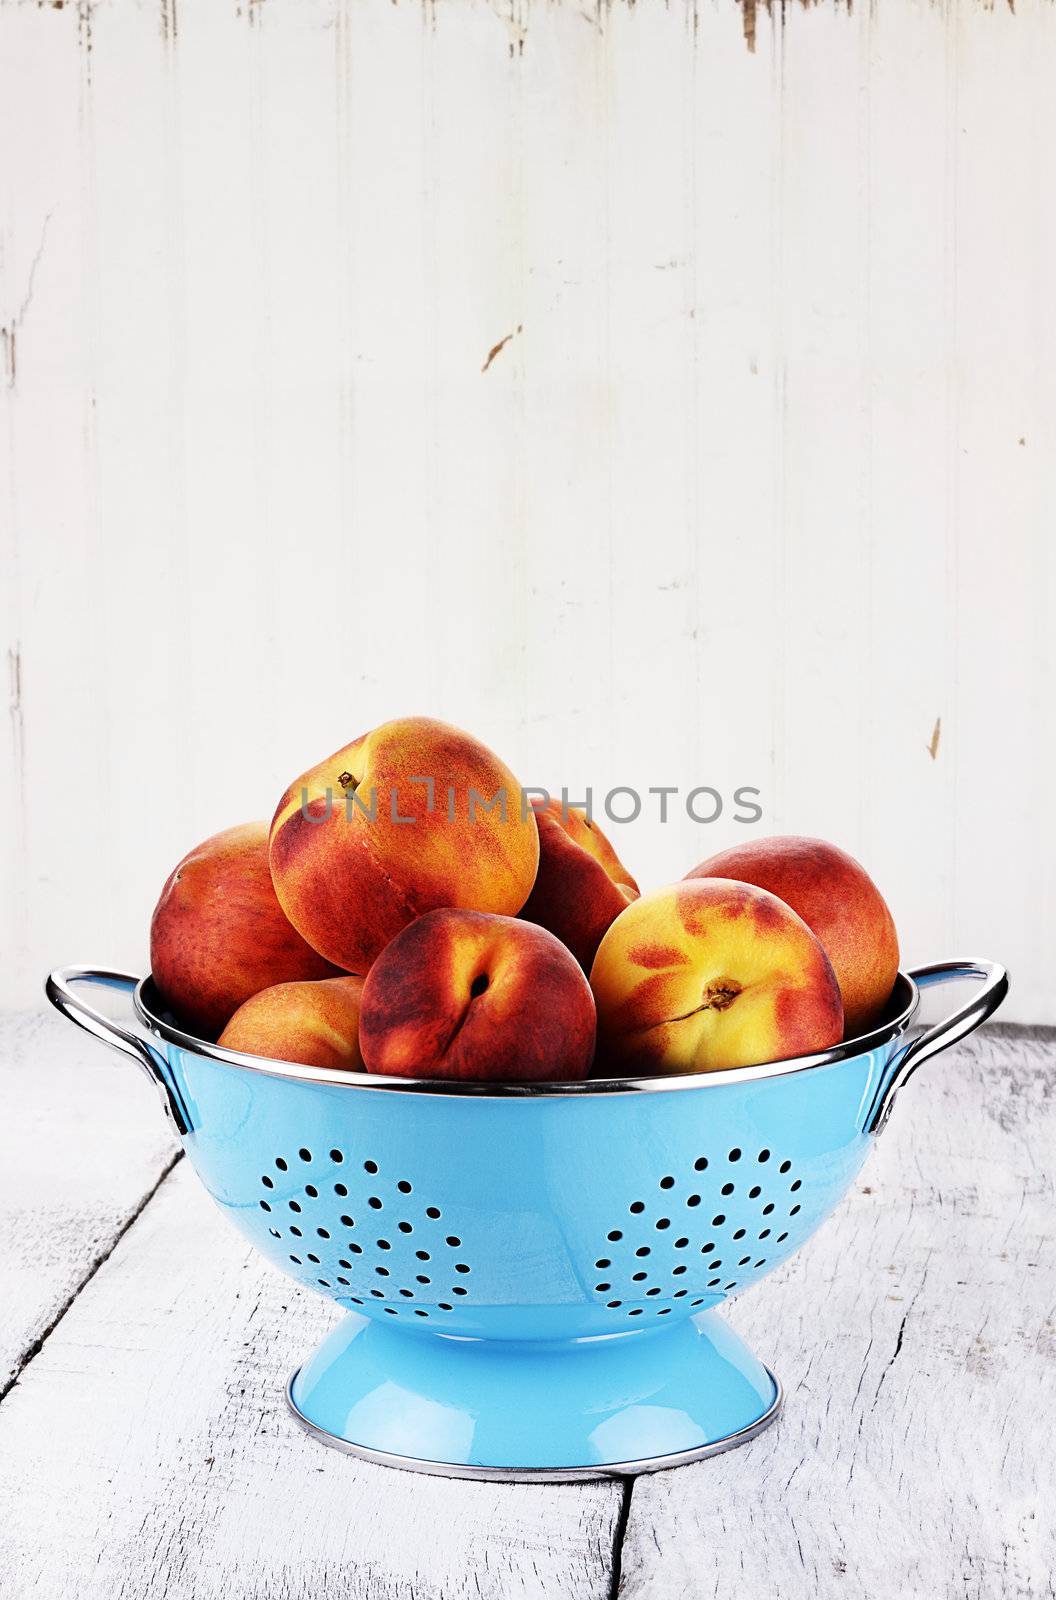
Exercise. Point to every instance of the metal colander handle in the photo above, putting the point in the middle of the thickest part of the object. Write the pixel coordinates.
(58, 986)
(957, 1025)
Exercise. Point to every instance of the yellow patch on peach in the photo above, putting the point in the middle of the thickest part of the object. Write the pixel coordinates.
(316, 1024)
(711, 974)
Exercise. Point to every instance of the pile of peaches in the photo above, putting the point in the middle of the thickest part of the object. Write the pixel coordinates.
(407, 912)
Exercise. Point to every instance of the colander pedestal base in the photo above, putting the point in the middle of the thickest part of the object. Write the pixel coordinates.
(550, 1409)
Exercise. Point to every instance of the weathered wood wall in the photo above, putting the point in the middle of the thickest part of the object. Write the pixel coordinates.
(754, 489)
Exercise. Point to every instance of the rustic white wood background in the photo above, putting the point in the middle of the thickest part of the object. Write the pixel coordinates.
(755, 488)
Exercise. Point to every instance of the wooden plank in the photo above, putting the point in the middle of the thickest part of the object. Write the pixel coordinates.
(771, 408)
(147, 1450)
(82, 1146)
(916, 1337)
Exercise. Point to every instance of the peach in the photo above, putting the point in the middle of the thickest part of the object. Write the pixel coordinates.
(711, 974)
(218, 933)
(463, 994)
(316, 1024)
(838, 900)
(581, 886)
(405, 830)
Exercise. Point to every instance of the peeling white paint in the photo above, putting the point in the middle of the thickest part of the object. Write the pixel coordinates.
(746, 502)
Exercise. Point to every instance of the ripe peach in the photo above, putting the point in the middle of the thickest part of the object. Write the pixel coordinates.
(711, 974)
(460, 994)
(406, 831)
(838, 900)
(581, 886)
(316, 1024)
(218, 933)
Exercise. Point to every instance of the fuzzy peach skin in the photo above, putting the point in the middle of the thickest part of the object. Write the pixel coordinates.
(711, 974)
(838, 900)
(581, 886)
(349, 884)
(461, 994)
(218, 933)
(316, 1024)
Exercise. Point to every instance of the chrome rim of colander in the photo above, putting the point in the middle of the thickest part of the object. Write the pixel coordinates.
(904, 1002)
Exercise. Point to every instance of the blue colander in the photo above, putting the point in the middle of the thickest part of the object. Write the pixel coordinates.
(531, 1273)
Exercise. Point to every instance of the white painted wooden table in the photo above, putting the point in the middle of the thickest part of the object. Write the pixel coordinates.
(145, 1448)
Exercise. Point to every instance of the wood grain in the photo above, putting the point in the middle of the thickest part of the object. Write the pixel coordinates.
(82, 1146)
(761, 490)
(148, 1450)
(916, 1336)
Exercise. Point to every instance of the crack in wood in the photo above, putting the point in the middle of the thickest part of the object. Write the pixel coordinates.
(33, 1350)
(619, 1534)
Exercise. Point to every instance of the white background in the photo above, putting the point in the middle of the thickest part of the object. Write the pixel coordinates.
(761, 489)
